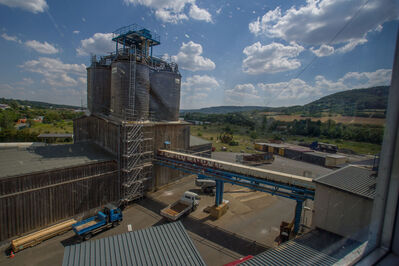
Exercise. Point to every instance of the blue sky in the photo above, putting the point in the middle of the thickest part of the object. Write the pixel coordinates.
(270, 53)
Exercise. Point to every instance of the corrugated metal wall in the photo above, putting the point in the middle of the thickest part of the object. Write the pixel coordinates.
(33, 201)
(106, 134)
(100, 131)
(179, 137)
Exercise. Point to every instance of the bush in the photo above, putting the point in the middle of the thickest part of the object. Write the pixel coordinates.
(234, 143)
(199, 134)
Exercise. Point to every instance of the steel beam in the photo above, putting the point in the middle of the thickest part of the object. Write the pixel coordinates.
(298, 213)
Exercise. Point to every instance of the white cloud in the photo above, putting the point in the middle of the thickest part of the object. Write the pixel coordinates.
(189, 58)
(243, 94)
(76, 32)
(271, 58)
(10, 38)
(169, 16)
(34, 6)
(173, 11)
(350, 45)
(55, 72)
(324, 50)
(187, 36)
(99, 43)
(317, 22)
(44, 48)
(199, 13)
(352, 80)
(297, 91)
(195, 91)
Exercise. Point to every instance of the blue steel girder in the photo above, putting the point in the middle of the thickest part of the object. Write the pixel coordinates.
(298, 213)
(274, 188)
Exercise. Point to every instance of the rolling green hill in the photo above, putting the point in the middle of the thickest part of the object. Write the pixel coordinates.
(370, 102)
(222, 109)
(36, 104)
(357, 102)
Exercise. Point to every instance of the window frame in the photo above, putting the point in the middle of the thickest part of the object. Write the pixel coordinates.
(383, 237)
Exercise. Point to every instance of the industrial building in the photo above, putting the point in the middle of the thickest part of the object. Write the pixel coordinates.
(344, 202)
(167, 244)
(200, 146)
(302, 153)
(40, 185)
(133, 101)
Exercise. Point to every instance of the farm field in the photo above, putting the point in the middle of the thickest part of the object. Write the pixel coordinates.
(338, 119)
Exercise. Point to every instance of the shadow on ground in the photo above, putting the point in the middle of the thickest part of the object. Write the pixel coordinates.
(212, 233)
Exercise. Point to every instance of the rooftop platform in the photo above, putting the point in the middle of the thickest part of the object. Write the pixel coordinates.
(20, 159)
(134, 34)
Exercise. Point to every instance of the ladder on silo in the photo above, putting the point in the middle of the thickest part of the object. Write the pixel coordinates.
(132, 79)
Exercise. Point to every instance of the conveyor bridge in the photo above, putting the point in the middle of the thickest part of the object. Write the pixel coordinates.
(294, 187)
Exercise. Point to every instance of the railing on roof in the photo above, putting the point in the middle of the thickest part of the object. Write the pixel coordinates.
(136, 28)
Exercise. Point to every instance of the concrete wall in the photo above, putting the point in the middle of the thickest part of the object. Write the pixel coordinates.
(341, 212)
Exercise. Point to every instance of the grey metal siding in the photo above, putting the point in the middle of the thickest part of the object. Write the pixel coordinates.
(166, 244)
(352, 179)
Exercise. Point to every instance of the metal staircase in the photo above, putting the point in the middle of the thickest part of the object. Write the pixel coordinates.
(136, 144)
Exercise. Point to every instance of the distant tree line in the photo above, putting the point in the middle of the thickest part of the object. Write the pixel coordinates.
(257, 127)
(331, 129)
(230, 118)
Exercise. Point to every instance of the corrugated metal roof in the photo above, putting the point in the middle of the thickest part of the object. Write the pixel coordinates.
(23, 160)
(167, 244)
(317, 247)
(353, 179)
(194, 141)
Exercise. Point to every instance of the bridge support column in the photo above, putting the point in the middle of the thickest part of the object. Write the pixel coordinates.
(219, 192)
(298, 213)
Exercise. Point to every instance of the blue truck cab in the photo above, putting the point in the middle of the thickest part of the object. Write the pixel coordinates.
(109, 217)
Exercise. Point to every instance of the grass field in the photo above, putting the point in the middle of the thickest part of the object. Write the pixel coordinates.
(63, 126)
(338, 119)
(246, 144)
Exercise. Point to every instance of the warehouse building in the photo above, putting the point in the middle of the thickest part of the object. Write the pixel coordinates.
(40, 185)
(324, 159)
(167, 244)
(200, 146)
(344, 202)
